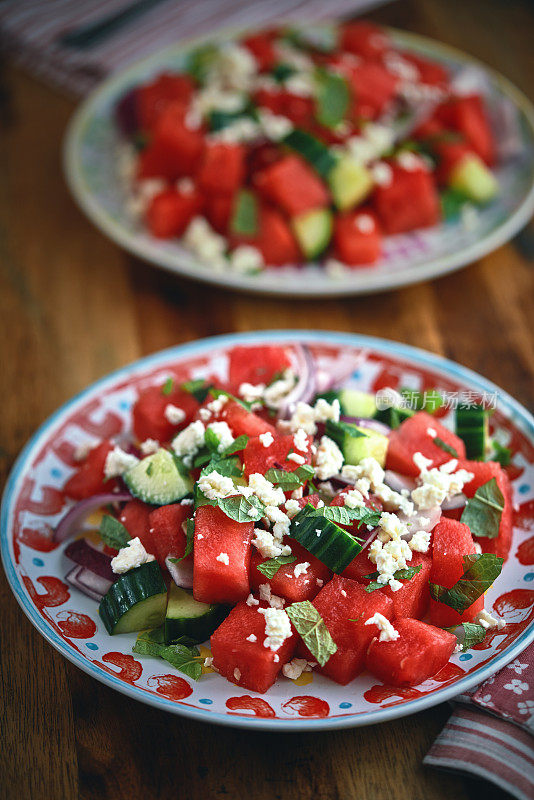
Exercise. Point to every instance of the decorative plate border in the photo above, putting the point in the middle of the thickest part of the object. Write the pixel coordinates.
(520, 417)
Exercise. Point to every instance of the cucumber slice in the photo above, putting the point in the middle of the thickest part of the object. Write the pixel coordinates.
(357, 443)
(245, 214)
(332, 545)
(474, 180)
(313, 230)
(393, 416)
(310, 148)
(158, 479)
(350, 183)
(187, 617)
(333, 98)
(472, 426)
(352, 402)
(136, 601)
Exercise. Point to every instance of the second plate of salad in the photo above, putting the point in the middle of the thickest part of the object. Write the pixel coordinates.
(310, 161)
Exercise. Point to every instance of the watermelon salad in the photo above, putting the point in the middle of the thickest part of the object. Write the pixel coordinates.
(295, 524)
(284, 147)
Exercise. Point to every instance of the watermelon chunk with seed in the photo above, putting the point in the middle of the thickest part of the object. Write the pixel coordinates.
(256, 364)
(484, 471)
(418, 654)
(221, 557)
(89, 478)
(135, 516)
(416, 435)
(452, 541)
(285, 583)
(167, 531)
(148, 412)
(248, 663)
(339, 603)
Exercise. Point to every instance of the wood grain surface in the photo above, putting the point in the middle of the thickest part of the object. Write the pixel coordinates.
(72, 307)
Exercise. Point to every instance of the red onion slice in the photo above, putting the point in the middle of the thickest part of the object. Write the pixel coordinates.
(398, 482)
(181, 573)
(365, 422)
(83, 553)
(90, 584)
(305, 388)
(73, 519)
(458, 501)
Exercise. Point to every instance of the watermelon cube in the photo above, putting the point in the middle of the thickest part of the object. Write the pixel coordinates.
(222, 169)
(364, 39)
(258, 458)
(243, 422)
(467, 116)
(244, 662)
(373, 89)
(175, 149)
(293, 185)
(484, 472)
(148, 412)
(357, 238)
(261, 46)
(416, 435)
(396, 215)
(218, 210)
(135, 516)
(167, 530)
(356, 528)
(89, 478)
(221, 562)
(170, 212)
(286, 583)
(260, 364)
(430, 72)
(418, 654)
(153, 98)
(345, 606)
(452, 541)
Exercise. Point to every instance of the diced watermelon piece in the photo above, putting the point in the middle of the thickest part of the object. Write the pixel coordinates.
(452, 541)
(339, 603)
(89, 478)
(373, 89)
(258, 458)
(430, 72)
(148, 412)
(364, 39)
(484, 471)
(298, 109)
(248, 663)
(262, 48)
(419, 653)
(276, 242)
(449, 154)
(412, 437)
(175, 150)
(356, 528)
(467, 115)
(357, 238)
(153, 98)
(394, 212)
(219, 209)
(243, 422)
(285, 583)
(217, 539)
(166, 528)
(223, 168)
(293, 185)
(256, 364)
(135, 518)
(170, 212)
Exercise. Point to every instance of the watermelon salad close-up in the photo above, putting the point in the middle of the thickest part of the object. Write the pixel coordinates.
(295, 524)
(283, 147)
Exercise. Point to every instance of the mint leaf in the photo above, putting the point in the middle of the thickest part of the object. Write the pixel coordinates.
(211, 440)
(186, 659)
(242, 509)
(238, 444)
(481, 569)
(167, 386)
(399, 575)
(270, 567)
(468, 634)
(222, 393)
(198, 388)
(113, 533)
(229, 467)
(344, 515)
(483, 512)
(288, 481)
(189, 540)
(312, 630)
(446, 447)
(501, 454)
(333, 98)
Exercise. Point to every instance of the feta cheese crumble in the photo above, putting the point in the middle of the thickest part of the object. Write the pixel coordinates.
(301, 569)
(130, 557)
(149, 447)
(265, 490)
(489, 621)
(252, 638)
(328, 459)
(266, 439)
(118, 462)
(294, 668)
(439, 483)
(277, 628)
(189, 441)
(223, 433)
(387, 631)
(252, 392)
(214, 485)
(223, 558)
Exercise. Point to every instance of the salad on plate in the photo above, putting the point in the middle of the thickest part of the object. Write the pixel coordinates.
(295, 524)
(287, 146)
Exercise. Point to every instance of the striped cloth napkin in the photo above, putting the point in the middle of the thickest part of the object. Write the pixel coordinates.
(491, 731)
(37, 32)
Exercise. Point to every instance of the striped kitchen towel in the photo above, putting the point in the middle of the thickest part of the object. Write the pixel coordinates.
(491, 731)
(74, 45)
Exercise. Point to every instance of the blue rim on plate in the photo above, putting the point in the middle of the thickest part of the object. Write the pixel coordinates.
(521, 418)
(90, 168)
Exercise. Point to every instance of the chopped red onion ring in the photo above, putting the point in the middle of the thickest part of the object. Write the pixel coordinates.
(305, 388)
(451, 504)
(365, 422)
(73, 519)
(181, 573)
(85, 555)
(398, 482)
(90, 584)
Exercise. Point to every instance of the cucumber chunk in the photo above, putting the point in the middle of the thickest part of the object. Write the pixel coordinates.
(472, 178)
(324, 539)
(393, 416)
(313, 230)
(190, 618)
(350, 183)
(352, 402)
(158, 479)
(472, 426)
(312, 150)
(244, 221)
(136, 601)
(358, 443)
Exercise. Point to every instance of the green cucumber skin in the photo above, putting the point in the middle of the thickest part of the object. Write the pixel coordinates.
(132, 588)
(335, 548)
(472, 426)
(312, 150)
(196, 629)
(164, 485)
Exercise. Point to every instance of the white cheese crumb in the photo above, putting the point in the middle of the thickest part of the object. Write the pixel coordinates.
(432, 432)
(489, 621)
(292, 508)
(189, 441)
(277, 628)
(387, 631)
(328, 460)
(118, 462)
(297, 458)
(294, 668)
(173, 414)
(130, 556)
(266, 595)
(266, 439)
(301, 441)
(246, 258)
(265, 491)
(252, 638)
(420, 542)
(251, 601)
(223, 558)
(439, 483)
(149, 447)
(223, 433)
(214, 485)
(251, 392)
(301, 569)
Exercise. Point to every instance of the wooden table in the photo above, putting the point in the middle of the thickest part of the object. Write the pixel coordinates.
(73, 306)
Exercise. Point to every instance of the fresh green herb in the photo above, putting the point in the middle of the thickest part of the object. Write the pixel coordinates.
(198, 388)
(472, 634)
(480, 572)
(242, 509)
(211, 440)
(218, 119)
(483, 512)
(446, 447)
(289, 481)
(282, 72)
(185, 659)
(229, 467)
(338, 430)
(189, 541)
(452, 203)
(312, 630)
(149, 468)
(168, 386)
(343, 515)
(222, 393)
(501, 454)
(200, 61)
(244, 221)
(314, 151)
(237, 445)
(333, 98)
(113, 533)
(399, 575)
(270, 567)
